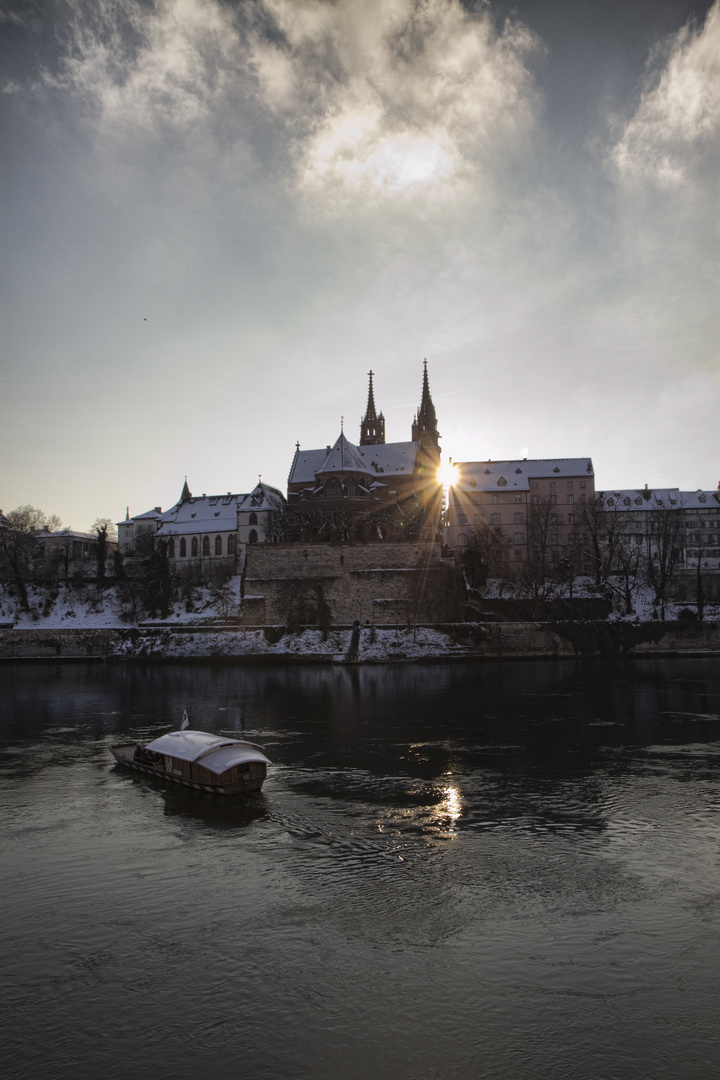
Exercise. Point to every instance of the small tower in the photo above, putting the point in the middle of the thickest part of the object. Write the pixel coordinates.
(424, 429)
(186, 493)
(372, 428)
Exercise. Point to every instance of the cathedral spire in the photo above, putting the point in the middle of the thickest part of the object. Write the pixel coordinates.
(424, 429)
(186, 493)
(372, 427)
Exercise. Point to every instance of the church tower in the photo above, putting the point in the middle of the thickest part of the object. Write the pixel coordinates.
(424, 429)
(372, 428)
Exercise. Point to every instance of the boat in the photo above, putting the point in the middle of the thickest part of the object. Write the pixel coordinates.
(198, 759)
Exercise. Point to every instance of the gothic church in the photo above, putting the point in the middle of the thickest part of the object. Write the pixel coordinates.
(372, 491)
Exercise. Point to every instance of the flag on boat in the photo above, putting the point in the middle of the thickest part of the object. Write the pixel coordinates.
(185, 722)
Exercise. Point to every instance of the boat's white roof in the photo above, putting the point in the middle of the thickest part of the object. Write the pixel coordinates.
(216, 752)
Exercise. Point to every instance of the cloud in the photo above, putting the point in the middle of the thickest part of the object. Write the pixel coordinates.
(677, 123)
(395, 98)
(140, 69)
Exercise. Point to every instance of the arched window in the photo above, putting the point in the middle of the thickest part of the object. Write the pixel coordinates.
(252, 520)
(351, 489)
(253, 537)
(206, 545)
(194, 547)
(171, 548)
(183, 548)
(333, 489)
(231, 544)
(218, 545)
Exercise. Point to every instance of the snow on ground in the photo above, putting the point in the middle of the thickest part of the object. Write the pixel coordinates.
(82, 607)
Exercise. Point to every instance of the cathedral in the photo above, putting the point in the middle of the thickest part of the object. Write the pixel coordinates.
(374, 490)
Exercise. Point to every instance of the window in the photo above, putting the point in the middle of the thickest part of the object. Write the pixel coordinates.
(333, 489)
(463, 540)
(571, 519)
(206, 545)
(519, 538)
(252, 520)
(552, 485)
(462, 519)
(351, 489)
(195, 550)
(496, 498)
(518, 518)
(582, 483)
(553, 538)
(171, 548)
(231, 544)
(582, 498)
(518, 498)
(534, 500)
(494, 519)
(218, 545)
(570, 485)
(553, 500)
(534, 485)
(253, 537)
(570, 499)
(183, 548)
(517, 555)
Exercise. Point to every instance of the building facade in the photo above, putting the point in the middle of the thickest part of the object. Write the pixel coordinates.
(206, 529)
(519, 512)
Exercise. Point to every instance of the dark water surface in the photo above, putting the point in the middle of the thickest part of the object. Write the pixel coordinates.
(500, 870)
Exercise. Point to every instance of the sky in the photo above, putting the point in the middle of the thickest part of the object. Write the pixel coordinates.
(219, 215)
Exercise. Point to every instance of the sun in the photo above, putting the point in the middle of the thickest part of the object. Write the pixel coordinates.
(448, 475)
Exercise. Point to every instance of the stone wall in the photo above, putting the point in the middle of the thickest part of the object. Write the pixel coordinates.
(335, 584)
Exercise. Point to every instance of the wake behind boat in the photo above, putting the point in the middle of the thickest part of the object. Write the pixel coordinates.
(198, 759)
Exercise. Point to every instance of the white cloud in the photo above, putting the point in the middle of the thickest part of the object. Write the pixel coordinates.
(678, 120)
(142, 68)
(393, 98)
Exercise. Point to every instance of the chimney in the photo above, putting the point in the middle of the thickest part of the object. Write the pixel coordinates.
(158, 509)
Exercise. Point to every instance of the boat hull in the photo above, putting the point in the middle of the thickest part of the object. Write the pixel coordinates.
(246, 785)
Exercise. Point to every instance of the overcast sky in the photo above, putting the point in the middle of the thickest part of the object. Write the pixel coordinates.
(218, 215)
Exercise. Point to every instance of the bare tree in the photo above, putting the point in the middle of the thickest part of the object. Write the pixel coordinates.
(486, 555)
(542, 519)
(665, 544)
(18, 548)
(604, 533)
(108, 525)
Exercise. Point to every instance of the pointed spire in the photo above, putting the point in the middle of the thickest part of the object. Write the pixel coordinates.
(372, 427)
(425, 427)
(186, 493)
(127, 513)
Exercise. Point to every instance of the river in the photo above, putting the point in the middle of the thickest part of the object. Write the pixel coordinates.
(454, 872)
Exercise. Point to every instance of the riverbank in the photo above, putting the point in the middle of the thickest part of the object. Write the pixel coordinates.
(466, 641)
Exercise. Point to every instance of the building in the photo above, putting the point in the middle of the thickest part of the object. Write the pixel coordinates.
(520, 513)
(651, 518)
(70, 555)
(374, 490)
(206, 528)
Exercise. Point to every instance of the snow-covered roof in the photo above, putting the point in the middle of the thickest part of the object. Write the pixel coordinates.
(516, 475)
(389, 459)
(392, 459)
(659, 499)
(206, 513)
(262, 497)
(215, 752)
(43, 534)
(343, 457)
